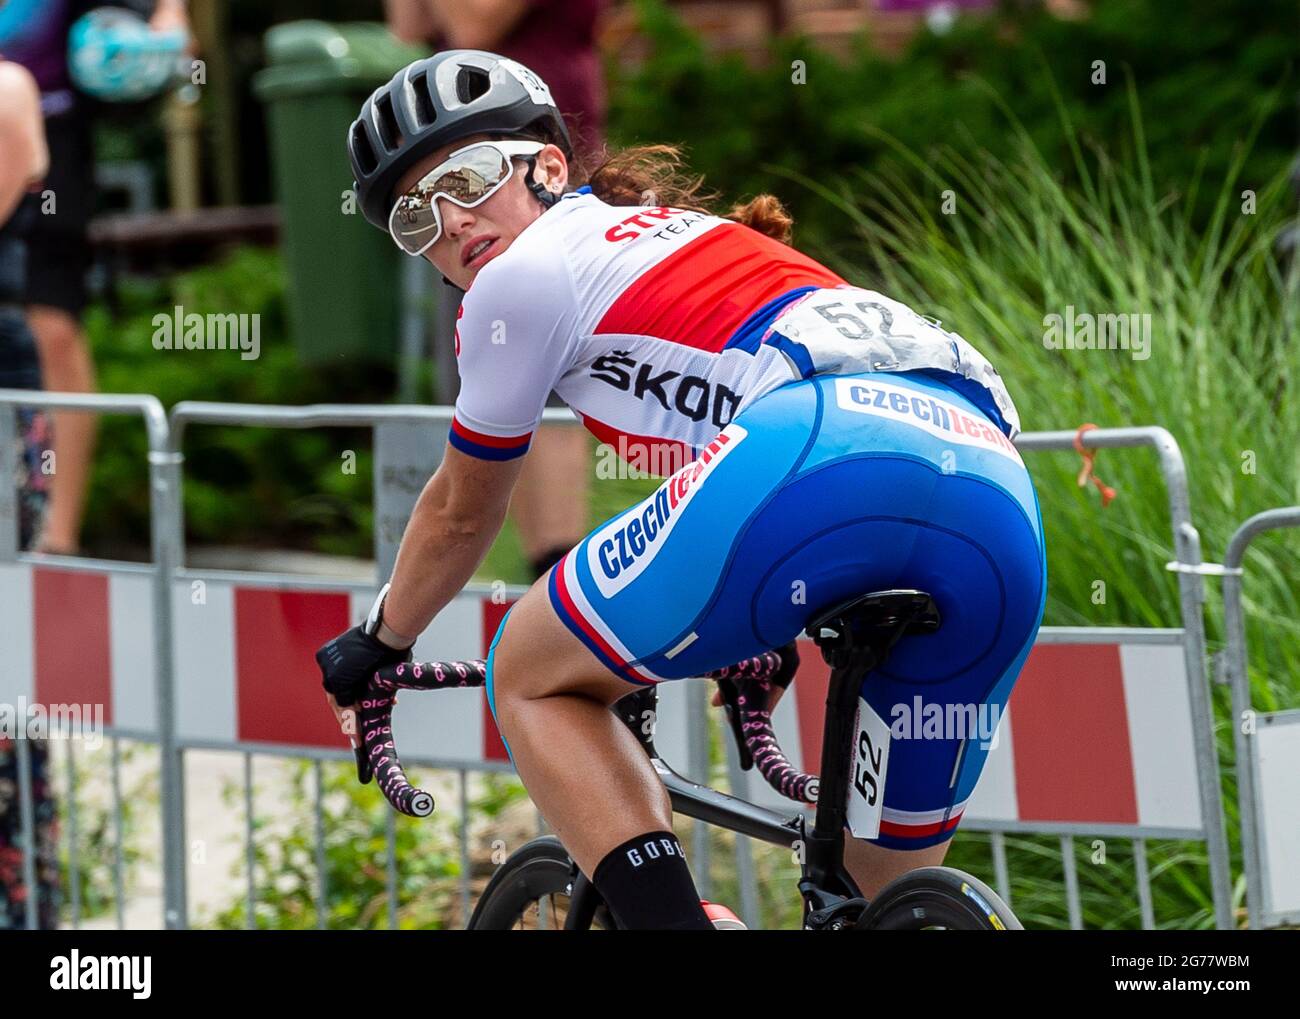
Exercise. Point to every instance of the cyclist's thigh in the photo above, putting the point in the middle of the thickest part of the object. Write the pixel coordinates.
(643, 590)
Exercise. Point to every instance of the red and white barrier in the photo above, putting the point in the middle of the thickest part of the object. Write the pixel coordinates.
(1095, 733)
(76, 636)
(244, 666)
(1277, 765)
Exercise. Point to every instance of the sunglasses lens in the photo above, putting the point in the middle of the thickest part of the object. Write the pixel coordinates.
(467, 180)
(414, 223)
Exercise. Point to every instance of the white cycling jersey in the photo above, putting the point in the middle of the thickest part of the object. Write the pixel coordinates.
(659, 325)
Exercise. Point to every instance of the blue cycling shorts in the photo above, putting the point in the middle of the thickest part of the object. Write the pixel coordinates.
(824, 489)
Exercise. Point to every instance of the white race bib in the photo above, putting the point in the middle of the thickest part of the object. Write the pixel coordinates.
(866, 801)
(850, 329)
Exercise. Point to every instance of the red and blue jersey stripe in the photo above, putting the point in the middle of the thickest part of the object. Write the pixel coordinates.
(487, 447)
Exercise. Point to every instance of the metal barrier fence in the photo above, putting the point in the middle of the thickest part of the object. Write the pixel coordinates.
(1268, 754)
(1190, 569)
(405, 439)
(178, 714)
(161, 503)
(1152, 765)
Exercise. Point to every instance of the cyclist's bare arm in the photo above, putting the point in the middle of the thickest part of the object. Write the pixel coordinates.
(454, 523)
(22, 136)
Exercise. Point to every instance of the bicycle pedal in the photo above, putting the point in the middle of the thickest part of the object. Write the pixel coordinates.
(723, 918)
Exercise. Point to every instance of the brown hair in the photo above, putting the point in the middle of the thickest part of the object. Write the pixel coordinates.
(657, 175)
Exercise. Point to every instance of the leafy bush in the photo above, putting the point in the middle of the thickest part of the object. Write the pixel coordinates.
(249, 486)
(1204, 70)
(97, 839)
(1222, 369)
(1222, 376)
(356, 820)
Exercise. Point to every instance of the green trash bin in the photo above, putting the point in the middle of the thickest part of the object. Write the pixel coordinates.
(344, 275)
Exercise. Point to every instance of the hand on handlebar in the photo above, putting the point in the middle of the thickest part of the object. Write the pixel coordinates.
(346, 664)
(774, 695)
(348, 725)
(349, 660)
(780, 679)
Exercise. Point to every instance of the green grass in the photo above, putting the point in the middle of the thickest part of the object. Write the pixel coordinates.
(1017, 246)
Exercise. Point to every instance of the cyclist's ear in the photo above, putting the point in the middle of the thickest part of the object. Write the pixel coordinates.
(551, 169)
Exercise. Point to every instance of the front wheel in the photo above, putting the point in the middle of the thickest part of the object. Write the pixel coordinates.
(531, 891)
(938, 898)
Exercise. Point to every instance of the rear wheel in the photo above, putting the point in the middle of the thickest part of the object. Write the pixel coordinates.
(532, 891)
(938, 898)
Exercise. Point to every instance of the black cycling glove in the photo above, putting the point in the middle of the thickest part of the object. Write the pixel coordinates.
(350, 659)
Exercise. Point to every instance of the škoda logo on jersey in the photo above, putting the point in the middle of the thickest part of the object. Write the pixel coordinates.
(619, 552)
(938, 417)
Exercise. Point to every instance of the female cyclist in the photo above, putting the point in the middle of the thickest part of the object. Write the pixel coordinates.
(819, 441)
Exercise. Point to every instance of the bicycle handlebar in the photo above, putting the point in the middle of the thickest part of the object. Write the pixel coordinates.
(377, 754)
(746, 687)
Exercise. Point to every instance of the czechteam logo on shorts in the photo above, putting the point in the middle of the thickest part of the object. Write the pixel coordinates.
(940, 418)
(619, 552)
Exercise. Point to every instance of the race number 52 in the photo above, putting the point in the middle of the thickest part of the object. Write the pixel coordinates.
(866, 801)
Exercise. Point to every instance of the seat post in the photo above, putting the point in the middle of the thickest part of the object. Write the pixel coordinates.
(837, 738)
(855, 638)
(824, 848)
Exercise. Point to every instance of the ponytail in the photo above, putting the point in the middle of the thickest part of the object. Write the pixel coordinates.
(656, 175)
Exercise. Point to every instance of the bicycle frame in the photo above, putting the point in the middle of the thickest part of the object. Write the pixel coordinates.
(854, 637)
(829, 892)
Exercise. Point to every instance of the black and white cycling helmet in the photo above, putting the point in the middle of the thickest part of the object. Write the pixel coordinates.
(437, 100)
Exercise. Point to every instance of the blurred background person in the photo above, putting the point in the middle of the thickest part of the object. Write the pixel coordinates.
(34, 34)
(557, 40)
(23, 162)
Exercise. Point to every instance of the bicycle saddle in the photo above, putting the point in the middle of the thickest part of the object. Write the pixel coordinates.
(872, 622)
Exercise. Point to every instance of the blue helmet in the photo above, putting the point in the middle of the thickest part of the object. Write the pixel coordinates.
(115, 56)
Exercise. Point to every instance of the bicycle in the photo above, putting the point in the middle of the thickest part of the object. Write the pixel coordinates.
(854, 637)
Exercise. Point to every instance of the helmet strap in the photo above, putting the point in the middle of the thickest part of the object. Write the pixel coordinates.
(547, 198)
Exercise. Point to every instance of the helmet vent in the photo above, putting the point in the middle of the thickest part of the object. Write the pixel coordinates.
(362, 150)
(389, 133)
(425, 114)
(471, 82)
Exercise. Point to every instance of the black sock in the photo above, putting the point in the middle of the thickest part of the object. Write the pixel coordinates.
(647, 885)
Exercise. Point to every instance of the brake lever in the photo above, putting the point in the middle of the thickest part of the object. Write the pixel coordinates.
(364, 773)
(731, 702)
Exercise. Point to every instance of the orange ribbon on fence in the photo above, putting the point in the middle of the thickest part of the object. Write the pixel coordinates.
(1086, 472)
